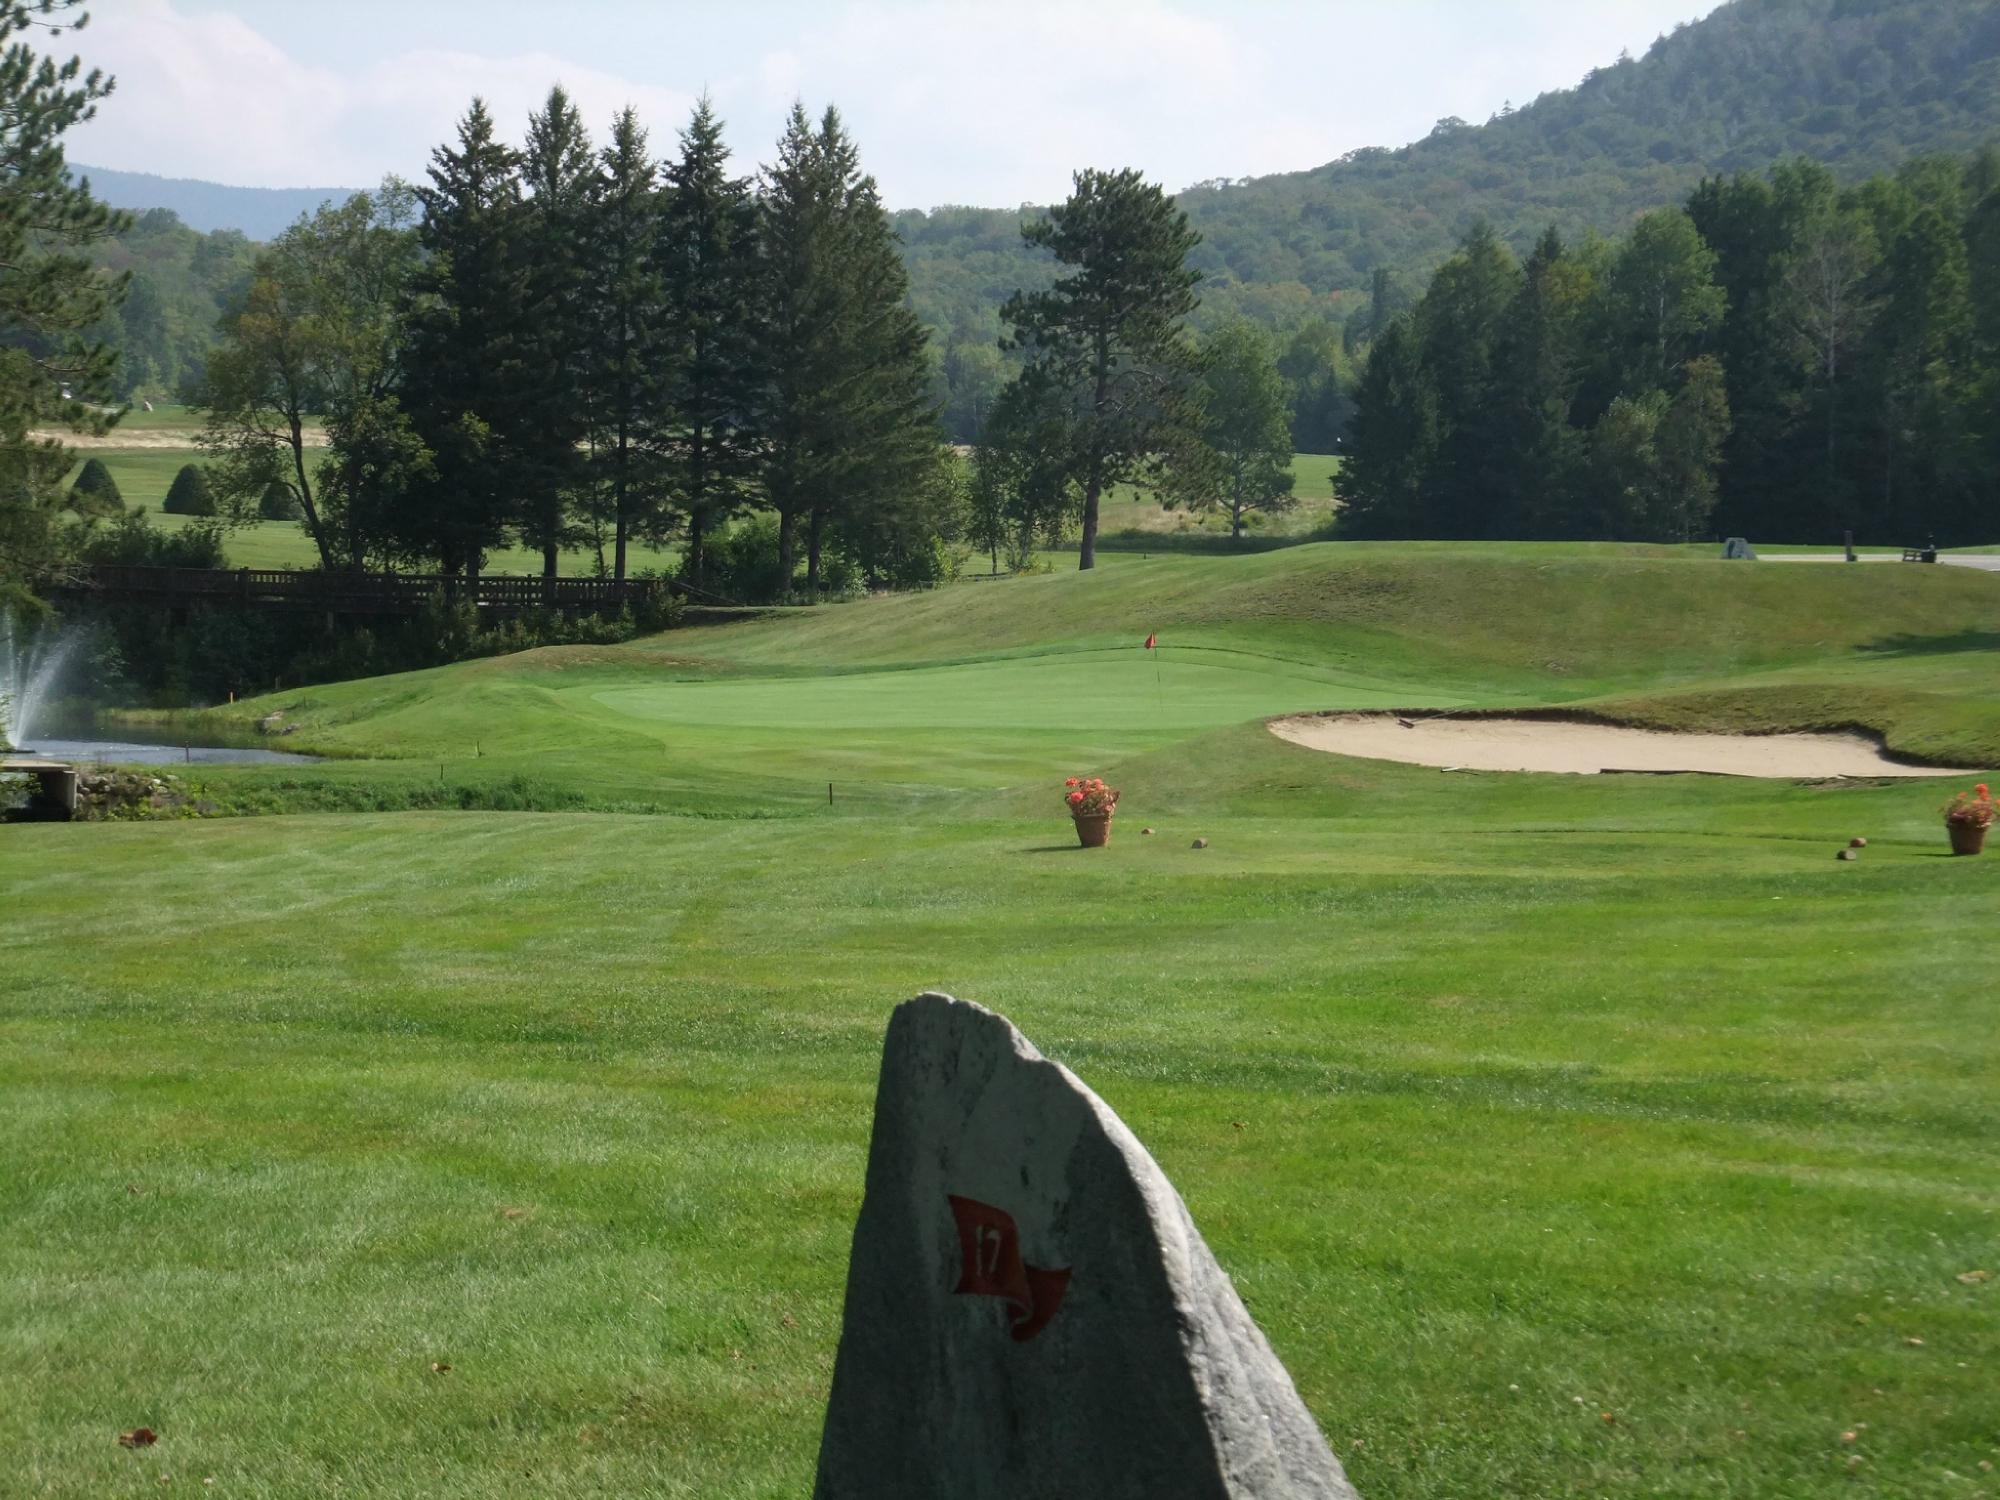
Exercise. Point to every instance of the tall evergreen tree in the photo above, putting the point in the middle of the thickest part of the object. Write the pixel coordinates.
(558, 245)
(627, 378)
(848, 423)
(469, 377)
(712, 323)
(1110, 331)
(1461, 320)
(1538, 364)
(1392, 445)
(1920, 467)
(51, 371)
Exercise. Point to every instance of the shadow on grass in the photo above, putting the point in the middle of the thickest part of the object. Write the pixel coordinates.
(1935, 645)
(1054, 849)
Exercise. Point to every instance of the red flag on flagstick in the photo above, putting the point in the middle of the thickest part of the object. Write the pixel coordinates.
(1149, 641)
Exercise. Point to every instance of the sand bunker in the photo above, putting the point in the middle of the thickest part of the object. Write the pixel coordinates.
(1587, 749)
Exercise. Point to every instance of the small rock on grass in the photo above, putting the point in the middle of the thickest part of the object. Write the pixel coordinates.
(1200, 844)
(1847, 854)
(1145, 833)
(1857, 843)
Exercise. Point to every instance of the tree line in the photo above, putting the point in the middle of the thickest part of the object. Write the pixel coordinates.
(1780, 358)
(572, 345)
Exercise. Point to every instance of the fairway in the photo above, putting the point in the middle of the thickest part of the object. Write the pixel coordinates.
(1566, 1135)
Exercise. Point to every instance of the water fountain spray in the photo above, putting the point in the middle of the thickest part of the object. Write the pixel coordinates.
(31, 663)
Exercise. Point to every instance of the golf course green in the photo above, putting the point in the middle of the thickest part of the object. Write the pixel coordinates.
(487, 1115)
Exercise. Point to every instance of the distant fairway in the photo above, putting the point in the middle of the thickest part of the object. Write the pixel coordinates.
(1567, 1135)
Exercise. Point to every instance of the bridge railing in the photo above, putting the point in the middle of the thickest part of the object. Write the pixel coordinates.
(352, 593)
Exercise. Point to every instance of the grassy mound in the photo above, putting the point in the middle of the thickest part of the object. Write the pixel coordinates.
(983, 686)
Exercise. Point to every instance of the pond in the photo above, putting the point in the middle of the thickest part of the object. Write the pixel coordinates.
(141, 753)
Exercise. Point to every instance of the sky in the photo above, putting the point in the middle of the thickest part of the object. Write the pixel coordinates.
(993, 104)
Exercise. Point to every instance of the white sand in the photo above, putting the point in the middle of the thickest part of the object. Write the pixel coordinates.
(1586, 749)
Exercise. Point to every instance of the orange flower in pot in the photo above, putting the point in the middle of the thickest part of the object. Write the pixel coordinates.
(1967, 817)
(1091, 803)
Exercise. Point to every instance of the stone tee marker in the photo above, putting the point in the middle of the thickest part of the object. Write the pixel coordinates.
(1031, 1313)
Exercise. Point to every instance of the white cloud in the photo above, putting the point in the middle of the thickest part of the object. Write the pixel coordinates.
(204, 95)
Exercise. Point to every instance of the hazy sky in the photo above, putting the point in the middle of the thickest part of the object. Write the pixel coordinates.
(991, 104)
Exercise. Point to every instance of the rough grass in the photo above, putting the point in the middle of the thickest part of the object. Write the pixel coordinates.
(1567, 1135)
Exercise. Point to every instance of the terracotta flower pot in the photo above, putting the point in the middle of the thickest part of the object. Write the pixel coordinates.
(1093, 830)
(1966, 838)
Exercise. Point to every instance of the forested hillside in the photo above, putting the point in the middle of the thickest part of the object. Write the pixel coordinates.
(1862, 85)
(260, 213)
(180, 282)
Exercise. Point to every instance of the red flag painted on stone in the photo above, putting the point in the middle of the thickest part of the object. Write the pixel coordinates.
(1150, 640)
(991, 1266)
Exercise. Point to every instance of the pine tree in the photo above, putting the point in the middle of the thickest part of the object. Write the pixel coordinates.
(712, 377)
(467, 377)
(1110, 331)
(626, 375)
(1921, 461)
(1393, 443)
(1538, 364)
(801, 358)
(558, 246)
(51, 298)
(1460, 322)
(848, 424)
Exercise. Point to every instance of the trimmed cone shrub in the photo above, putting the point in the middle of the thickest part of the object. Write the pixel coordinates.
(278, 503)
(95, 492)
(188, 495)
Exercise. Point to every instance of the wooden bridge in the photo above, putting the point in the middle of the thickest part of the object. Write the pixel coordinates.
(348, 593)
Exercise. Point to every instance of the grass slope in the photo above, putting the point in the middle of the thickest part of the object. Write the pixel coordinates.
(1567, 1135)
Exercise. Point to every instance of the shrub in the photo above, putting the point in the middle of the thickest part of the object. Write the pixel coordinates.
(95, 492)
(743, 563)
(278, 503)
(131, 541)
(188, 495)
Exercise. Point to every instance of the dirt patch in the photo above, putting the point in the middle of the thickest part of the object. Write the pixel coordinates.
(1589, 749)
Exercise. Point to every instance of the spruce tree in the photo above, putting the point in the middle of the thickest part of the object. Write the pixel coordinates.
(467, 384)
(558, 244)
(1392, 448)
(1920, 467)
(1538, 364)
(711, 317)
(52, 300)
(1110, 331)
(626, 372)
(848, 425)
